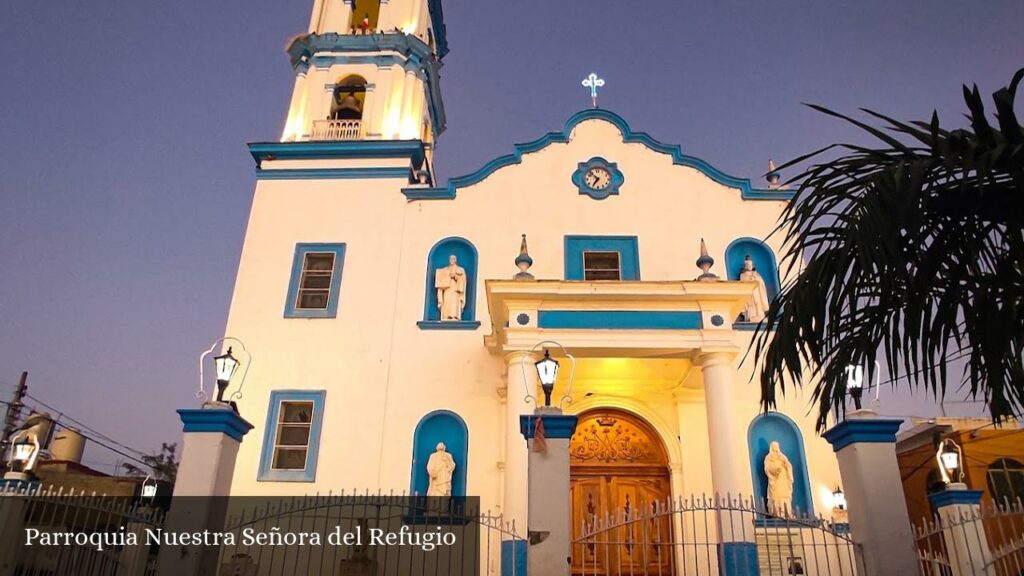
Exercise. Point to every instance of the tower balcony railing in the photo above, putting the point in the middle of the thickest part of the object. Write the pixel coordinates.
(336, 129)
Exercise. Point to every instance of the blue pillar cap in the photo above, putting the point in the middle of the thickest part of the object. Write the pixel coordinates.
(865, 430)
(214, 420)
(555, 425)
(949, 497)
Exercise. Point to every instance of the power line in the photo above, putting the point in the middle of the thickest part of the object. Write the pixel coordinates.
(62, 415)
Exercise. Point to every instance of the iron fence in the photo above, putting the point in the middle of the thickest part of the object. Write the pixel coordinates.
(85, 517)
(708, 536)
(985, 540)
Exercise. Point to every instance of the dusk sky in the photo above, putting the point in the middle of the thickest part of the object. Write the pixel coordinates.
(125, 182)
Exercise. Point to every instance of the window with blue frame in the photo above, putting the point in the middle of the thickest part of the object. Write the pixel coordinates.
(601, 258)
(461, 291)
(292, 436)
(315, 283)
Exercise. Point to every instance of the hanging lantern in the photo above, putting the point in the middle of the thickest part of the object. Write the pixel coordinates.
(950, 459)
(839, 499)
(226, 365)
(547, 371)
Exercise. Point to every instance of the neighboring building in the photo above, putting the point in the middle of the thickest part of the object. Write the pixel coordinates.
(994, 459)
(369, 348)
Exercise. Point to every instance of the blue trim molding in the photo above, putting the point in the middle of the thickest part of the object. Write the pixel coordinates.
(620, 319)
(747, 191)
(450, 325)
(331, 150)
(325, 50)
(308, 474)
(555, 425)
(225, 421)
(739, 559)
(290, 308)
(579, 178)
(513, 558)
(335, 173)
(626, 246)
(866, 430)
(949, 497)
(439, 426)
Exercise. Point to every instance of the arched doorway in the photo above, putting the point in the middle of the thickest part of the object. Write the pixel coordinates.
(618, 465)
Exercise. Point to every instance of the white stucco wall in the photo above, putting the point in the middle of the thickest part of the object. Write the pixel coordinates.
(382, 373)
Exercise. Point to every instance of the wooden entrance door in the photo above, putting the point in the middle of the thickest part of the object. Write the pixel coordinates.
(619, 466)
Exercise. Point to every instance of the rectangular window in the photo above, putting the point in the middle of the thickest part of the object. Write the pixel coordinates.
(601, 266)
(292, 439)
(601, 258)
(315, 281)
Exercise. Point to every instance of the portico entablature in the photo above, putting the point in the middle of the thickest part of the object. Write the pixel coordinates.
(621, 319)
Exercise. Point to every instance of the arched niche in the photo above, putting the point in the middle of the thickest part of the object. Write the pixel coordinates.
(349, 98)
(764, 262)
(466, 256)
(776, 427)
(440, 426)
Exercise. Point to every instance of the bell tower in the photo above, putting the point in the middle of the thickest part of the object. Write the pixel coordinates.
(368, 70)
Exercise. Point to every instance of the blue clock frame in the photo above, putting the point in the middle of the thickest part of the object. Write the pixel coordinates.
(578, 178)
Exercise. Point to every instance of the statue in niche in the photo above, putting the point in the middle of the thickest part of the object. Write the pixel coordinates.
(757, 307)
(450, 283)
(346, 106)
(440, 467)
(780, 481)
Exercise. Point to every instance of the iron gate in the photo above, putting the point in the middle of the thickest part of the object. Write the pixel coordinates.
(685, 536)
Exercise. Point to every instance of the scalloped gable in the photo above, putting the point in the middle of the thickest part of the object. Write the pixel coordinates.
(747, 191)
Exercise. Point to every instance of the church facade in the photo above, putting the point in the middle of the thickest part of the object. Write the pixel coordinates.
(388, 313)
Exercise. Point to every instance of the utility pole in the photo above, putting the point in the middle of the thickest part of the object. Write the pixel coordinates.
(13, 411)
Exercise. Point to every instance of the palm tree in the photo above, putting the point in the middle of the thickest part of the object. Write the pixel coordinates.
(914, 250)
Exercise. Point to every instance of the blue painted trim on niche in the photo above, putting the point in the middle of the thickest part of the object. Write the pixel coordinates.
(747, 191)
(450, 325)
(227, 422)
(430, 314)
(290, 310)
(459, 453)
(333, 173)
(746, 326)
(513, 557)
(805, 503)
(619, 319)
(626, 246)
(555, 425)
(597, 162)
(732, 272)
(266, 473)
(317, 150)
(739, 559)
(865, 430)
(950, 497)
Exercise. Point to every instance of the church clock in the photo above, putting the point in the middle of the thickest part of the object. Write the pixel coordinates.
(598, 178)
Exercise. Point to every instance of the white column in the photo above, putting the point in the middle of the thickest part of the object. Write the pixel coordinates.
(520, 383)
(296, 126)
(959, 511)
(737, 551)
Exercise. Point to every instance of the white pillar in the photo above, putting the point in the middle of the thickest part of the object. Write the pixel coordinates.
(550, 509)
(737, 550)
(866, 449)
(959, 511)
(522, 380)
(296, 126)
(207, 467)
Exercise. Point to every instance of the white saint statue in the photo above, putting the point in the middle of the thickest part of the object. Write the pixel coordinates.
(780, 481)
(757, 307)
(450, 283)
(440, 467)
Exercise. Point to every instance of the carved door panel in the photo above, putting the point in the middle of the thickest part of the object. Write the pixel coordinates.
(589, 497)
(645, 546)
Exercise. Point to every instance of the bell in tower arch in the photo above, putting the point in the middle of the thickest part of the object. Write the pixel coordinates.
(348, 99)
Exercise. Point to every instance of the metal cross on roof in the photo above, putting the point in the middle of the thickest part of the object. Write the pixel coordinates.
(593, 82)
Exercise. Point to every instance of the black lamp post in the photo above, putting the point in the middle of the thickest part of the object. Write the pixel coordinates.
(547, 371)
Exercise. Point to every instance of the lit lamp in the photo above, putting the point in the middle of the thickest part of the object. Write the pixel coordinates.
(839, 499)
(950, 458)
(226, 365)
(547, 371)
(855, 384)
(148, 489)
(22, 460)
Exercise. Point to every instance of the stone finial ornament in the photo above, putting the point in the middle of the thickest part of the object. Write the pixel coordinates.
(523, 262)
(773, 176)
(705, 262)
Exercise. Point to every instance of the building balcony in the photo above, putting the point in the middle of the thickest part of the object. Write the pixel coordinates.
(336, 130)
